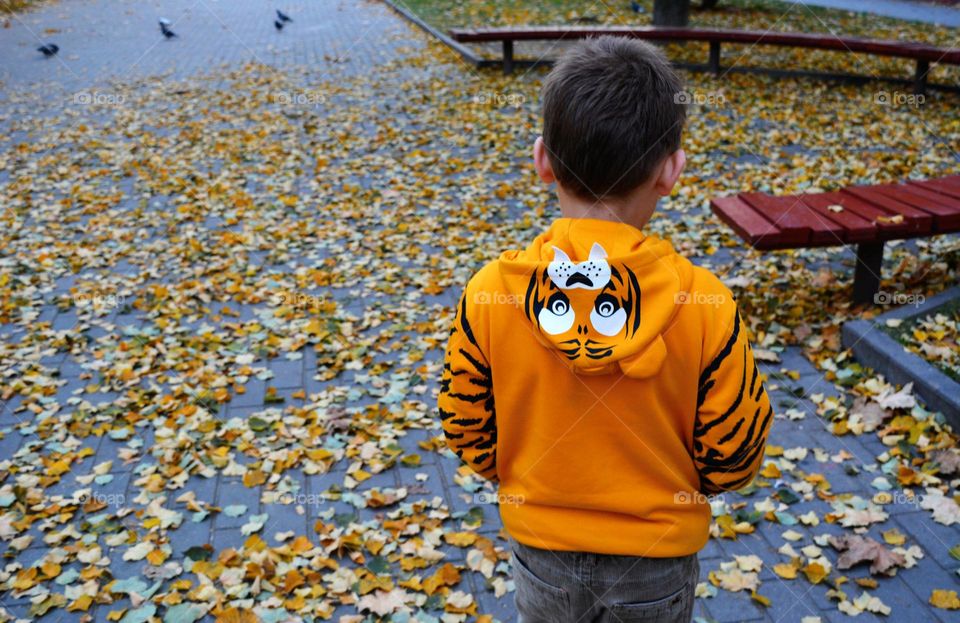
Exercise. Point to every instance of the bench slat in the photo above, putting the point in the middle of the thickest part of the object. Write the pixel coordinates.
(856, 227)
(886, 229)
(790, 214)
(940, 186)
(751, 226)
(920, 222)
(945, 210)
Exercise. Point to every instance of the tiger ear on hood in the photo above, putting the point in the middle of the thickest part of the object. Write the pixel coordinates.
(559, 255)
(597, 252)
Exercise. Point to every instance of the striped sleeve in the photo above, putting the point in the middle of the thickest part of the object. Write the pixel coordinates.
(466, 399)
(733, 415)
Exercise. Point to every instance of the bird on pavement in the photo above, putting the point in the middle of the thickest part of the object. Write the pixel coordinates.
(283, 16)
(49, 49)
(165, 29)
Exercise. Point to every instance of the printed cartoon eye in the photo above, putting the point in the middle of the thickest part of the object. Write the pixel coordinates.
(607, 317)
(606, 305)
(556, 316)
(558, 304)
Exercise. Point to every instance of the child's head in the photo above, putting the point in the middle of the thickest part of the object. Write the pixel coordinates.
(612, 122)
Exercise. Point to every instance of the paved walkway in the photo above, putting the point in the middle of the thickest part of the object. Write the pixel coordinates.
(926, 12)
(105, 40)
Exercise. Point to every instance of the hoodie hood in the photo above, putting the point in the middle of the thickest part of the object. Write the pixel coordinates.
(600, 293)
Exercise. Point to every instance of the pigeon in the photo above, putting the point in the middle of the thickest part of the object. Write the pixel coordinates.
(49, 49)
(278, 25)
(283, 16)
(169, 34)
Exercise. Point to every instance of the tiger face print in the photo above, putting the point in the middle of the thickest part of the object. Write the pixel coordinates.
(587, 309)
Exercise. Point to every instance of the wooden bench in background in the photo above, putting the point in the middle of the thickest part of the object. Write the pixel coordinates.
(866, 216)
(922, 53)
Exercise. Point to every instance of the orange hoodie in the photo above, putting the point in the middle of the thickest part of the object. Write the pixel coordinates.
(607, 384)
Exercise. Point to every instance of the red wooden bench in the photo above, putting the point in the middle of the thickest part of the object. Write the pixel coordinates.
(922, 53)
(866, 216)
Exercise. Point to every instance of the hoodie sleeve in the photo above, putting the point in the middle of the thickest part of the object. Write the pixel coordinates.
(466, 398)
(733, 411)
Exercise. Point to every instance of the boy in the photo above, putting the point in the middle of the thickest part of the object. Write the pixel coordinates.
(604, 381)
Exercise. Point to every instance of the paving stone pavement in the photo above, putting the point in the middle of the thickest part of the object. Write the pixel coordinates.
(106, 40)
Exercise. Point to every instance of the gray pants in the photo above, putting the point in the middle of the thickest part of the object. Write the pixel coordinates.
(580, 587)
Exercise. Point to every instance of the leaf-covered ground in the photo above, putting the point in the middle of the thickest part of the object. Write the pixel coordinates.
(935, 337)
(224, 301)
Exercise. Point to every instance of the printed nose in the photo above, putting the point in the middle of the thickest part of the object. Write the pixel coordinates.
(581, 329)
(576, 278)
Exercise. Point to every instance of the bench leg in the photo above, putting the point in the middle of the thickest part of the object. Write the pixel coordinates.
(507, 57)
(920, 77)
(715, 57)
(866, 276)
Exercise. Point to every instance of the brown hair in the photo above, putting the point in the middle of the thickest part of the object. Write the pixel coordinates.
(613, 109)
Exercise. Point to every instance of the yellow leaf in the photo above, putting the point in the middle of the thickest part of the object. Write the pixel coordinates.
(50, 569)
(774, 451)
(815, 572)
(894, 537)
(254, 477)
(82, 603)
(757, 597)
(785, 570)
(944, 599)
(237, 615)
(156, 557)
(770, 471)
(447, 575)
(460, 539)
(26, 579)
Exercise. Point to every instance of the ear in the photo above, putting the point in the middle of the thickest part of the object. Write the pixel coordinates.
(541, 162)
(560, 256)
(597, 252)
(670, 172)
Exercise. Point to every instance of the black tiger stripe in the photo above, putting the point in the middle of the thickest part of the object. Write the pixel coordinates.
(482, 369)
(473, 428)
(705, 381)
(701, 428)
(744, 455)
(467, 329)
(713, 453)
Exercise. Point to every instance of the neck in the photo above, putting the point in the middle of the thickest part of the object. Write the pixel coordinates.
(634, 210)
